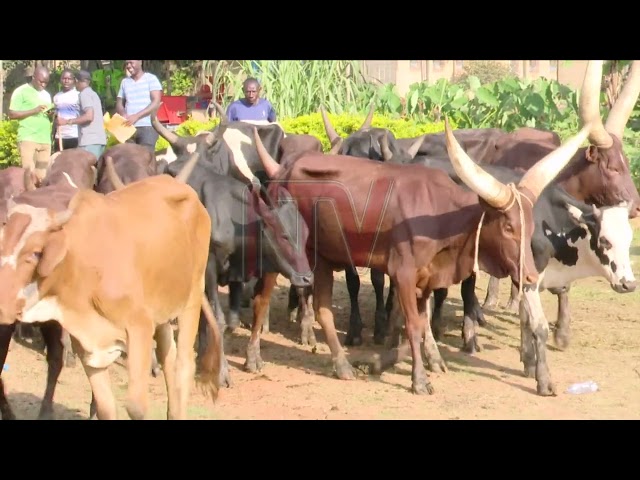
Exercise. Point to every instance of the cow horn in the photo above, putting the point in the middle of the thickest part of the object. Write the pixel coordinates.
(60, 218)
(331, 133)
(112, 175)
(589, 106)
(336, 148)
(223, 115)
(183, 176)
(545, 170)
(171, 137)
(415, 146)
(491, 190)
(384, 148)
(29, 182)
(369, 119)
(621, 110)
(270, 165)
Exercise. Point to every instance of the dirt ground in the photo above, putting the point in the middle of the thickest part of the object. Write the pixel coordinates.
(298, 384)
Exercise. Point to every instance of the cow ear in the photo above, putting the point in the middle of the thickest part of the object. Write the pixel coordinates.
(53, 253)
(575, 214)
(592, 153)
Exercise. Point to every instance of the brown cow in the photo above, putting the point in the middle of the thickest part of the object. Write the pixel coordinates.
(132, 162)
(68, 171)
(419, 227)
(114, 276)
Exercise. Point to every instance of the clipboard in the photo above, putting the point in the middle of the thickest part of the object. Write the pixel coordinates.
(116, 127)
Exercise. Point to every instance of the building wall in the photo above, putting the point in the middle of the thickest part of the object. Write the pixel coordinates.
(405, 72)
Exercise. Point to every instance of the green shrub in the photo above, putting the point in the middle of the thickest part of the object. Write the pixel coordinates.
(346, 124)
(9, 154)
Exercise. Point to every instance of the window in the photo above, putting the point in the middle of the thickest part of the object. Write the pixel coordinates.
(533, 65)
(553, 65)
(414, 64)
(438, 64)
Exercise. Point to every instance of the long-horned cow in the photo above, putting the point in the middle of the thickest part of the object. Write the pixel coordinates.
(419, 228)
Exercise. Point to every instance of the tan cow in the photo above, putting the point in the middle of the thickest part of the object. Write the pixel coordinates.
(114, 276)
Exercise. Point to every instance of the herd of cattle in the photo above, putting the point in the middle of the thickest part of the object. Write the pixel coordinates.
(105, 254)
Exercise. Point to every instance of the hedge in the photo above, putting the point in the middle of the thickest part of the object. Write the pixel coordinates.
(310, 124)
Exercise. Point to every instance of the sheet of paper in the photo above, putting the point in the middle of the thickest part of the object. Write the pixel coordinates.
(116, 127)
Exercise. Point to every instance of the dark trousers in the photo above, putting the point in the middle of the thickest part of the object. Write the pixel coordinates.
(145, 136)
(66, 144)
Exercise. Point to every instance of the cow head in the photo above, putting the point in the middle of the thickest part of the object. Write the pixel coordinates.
(606, 243)
(607, 178)
(32, 244)
(507, 225)
(367, 142)
(229, 147)
(286, 234)
(73, 167)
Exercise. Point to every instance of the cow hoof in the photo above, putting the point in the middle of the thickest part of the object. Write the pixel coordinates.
(561, 339)
(437, 365)
(233, 321)
(422, 387)
(353, 340)
(546, 389)
(512, 306)
(344, 370)
(307, 335)
(155, 371)
(253, 364)
(225, 378)
(530, 371)
(472, 346)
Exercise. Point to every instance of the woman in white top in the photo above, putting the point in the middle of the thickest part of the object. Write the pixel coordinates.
(67, 104)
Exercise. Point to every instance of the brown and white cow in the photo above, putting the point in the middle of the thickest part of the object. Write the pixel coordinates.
(68, 171)
(114, 276)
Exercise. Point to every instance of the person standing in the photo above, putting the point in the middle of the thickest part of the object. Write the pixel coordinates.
(251, 107)
(91, 134)
(67, 107)
(138, 96)
(32, 107)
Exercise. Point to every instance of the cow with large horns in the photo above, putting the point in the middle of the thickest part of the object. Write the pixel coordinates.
(419, 227)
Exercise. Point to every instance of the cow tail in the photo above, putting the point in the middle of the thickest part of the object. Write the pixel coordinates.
(209, 375)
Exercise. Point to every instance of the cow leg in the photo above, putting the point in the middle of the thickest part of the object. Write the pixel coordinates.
(155, 365)
(52, 333)
(68, 354)
(322, 293)
(261, 301)
(305, 314)
(472, 315)
(166, 350)
(514, 300)
(185, 363)
(6, 332)
(211, 290)
(292, 307)
(235, 300)
(103, 403)
(139, 343)
(438, 324)
(416, 324)
(562, 332)
(493, 288)
(532, 315)
(354, 334)
(381, 320)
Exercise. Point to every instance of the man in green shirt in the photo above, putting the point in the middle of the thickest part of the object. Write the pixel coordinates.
(31, 105)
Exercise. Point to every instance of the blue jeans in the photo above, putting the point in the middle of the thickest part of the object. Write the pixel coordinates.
(95, 149)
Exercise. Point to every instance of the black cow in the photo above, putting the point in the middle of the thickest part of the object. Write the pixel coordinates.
(248, 239)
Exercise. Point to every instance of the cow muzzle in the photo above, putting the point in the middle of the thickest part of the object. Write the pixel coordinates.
(624, 286)
(298, 280)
